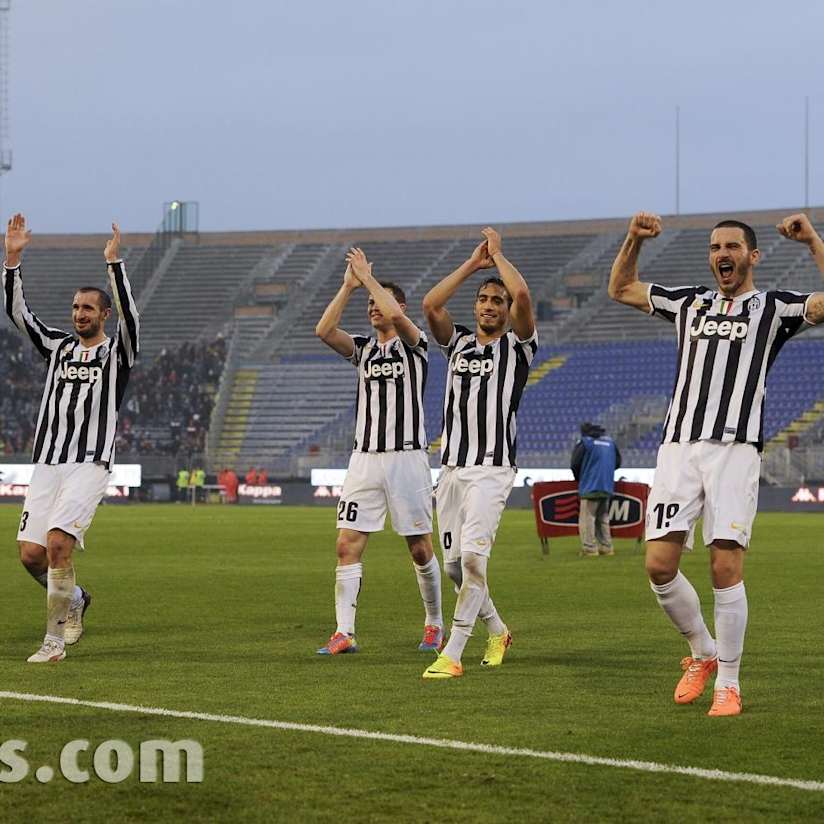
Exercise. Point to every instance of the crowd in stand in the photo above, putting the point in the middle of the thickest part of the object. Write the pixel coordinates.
(169, 402)
(166, 410)
(22, 372)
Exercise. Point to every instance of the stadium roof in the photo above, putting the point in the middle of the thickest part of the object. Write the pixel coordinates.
(362, 234)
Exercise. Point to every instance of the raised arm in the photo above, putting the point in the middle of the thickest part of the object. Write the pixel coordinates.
(43, 337)
(624, 285)
(798, 228)
(386, 302)
(523, 320)
(128, 320)
(327, 329)
(434, 302)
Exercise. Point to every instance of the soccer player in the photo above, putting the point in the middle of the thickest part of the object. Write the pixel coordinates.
(74, 444)
(486, 374)
(389, 468)
(709, 462)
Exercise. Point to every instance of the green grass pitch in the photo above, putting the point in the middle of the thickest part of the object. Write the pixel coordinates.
(220, 610)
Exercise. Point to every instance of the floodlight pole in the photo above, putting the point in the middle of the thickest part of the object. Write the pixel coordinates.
(807, 152)
(677, 160)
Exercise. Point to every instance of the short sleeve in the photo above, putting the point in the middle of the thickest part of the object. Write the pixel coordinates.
(421, 348)
(666, 303)
(458, 332)
(791, 307)
(529, 346)
(358, 342)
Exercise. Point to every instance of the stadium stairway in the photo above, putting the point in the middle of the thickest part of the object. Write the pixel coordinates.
(235, 420)
(804, 422)
(199, 290)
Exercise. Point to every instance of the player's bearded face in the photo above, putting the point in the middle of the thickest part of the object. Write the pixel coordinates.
(87, 317)
(492, 309)
(730, 260)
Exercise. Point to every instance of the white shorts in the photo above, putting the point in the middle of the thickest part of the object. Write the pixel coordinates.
(62, 496)
(398, 481)
(718, 481)
(471, 500)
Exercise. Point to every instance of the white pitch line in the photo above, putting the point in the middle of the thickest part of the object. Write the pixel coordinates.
(442, 743)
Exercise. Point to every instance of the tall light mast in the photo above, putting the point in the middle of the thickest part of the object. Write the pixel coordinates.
(5, 141)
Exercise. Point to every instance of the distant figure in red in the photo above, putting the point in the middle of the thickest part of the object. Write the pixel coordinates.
(262, 477)
(251, 477)
(230, 483)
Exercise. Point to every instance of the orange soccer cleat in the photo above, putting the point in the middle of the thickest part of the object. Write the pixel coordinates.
(725, 701)
(433, 639)
(339, 644)
(694, 680)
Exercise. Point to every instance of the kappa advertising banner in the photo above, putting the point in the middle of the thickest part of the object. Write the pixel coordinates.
(805, 498)
(556, 506)
(263, 494)
(15, 479)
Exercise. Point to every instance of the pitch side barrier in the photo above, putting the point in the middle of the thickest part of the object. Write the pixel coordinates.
(124, 481)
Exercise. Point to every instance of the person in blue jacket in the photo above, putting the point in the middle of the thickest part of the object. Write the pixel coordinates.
(594, 461)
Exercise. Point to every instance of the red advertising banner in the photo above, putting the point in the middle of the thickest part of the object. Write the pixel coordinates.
(556, 505)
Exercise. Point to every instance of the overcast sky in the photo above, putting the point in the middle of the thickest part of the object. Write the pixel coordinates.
(378, 112)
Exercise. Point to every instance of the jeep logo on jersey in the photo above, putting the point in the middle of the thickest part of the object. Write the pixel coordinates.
(707, 327)
(382, 369)
(473, 365)
(79, 373)
(561, 509)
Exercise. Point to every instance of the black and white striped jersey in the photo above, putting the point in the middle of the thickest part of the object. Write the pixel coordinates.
(391, 382)
(484, 384)
(726, 346)
(84, 386)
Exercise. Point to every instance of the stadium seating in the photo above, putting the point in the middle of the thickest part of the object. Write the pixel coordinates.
(283, 395)
(51, 277)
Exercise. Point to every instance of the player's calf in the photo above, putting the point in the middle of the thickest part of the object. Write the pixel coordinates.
(34, 560)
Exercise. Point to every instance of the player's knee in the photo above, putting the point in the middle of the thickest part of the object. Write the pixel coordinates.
(420, 548)
(59, 547)
(473, 568)
(349, 548)
(726, 565)
(32, 556)
(660, 570)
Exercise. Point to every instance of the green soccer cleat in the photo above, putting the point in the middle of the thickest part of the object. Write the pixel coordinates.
(496, 647)
(444, 667)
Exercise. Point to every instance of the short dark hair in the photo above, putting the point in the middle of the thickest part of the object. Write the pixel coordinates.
(495, 281)
(400, 295)
(103, 298)
(749, 233)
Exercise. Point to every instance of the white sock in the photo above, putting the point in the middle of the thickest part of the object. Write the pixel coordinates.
(470, 598)
(347, 589)
(730, 626)
(77, 598)
(58, 600)
(429, 583)
(487, 613)
(679, 600)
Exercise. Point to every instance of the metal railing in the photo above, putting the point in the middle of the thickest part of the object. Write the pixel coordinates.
(179, 218)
